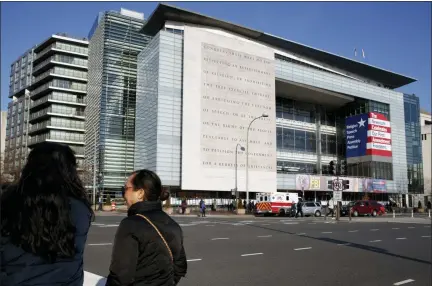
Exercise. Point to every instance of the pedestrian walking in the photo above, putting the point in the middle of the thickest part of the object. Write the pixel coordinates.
(45, 219)
(331, 207)
(183, 206)
(148, 246)
(429, 205)
(299, 209)
(202, 206)
(100, 202)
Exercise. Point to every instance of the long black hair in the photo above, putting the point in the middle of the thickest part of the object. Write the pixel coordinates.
(36, 211)
(151, 184)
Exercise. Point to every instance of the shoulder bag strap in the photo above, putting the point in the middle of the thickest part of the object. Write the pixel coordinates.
(160, 234)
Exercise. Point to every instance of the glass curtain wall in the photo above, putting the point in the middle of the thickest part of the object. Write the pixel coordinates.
(117, 41)
(297, 139)
(413, 144)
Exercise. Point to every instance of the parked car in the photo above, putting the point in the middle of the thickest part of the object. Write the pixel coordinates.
(367, 208)
(311, 208)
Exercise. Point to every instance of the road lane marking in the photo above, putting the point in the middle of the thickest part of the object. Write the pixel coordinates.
(344, 244)
(395, 228)
(99, 244)
(193, 260)
(252, 254)
(326, 232)
(264, 236)
(374, 229)
(303, 248)
(301, 233)
(97, 224)
(109, 225)
(186, 224)
(403, 282)
(426, 236)
(291, 223)
(353, 231)
(411, 227)
(375, 240)
(400, 238)
(220, 238)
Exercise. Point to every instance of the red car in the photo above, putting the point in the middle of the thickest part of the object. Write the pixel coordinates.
(367, 208)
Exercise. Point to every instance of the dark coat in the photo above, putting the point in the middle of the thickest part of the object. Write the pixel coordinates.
(22, 268)
(139, 255)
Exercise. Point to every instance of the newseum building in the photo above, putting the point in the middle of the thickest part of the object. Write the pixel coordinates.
(204, 86)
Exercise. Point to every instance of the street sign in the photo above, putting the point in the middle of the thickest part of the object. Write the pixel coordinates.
(337, 196)
(337, 185)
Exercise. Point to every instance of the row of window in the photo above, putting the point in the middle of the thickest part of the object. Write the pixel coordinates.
(424, 137)
(71, 48)
(304, 142)
(70, 72)
(377, 170)
(303, 112)
(71, 60)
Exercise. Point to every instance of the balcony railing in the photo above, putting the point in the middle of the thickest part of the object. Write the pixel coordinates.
(56, 97)
(59, 124)
(49, 137)
(50, 110)
(51, 84)
(42, 64)
(43, 52)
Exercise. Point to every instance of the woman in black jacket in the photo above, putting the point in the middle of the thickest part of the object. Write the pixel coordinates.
(45, 218)
(148, 248)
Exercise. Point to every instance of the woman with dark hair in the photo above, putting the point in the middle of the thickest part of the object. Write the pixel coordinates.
(148, 247)
(45, 218)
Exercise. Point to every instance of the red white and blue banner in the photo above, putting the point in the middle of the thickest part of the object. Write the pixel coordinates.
(378, 135)
(368, 134)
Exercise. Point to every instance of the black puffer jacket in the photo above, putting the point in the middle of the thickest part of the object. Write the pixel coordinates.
(139, 255)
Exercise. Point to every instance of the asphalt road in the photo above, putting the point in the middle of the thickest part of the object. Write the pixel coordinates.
(284, 251)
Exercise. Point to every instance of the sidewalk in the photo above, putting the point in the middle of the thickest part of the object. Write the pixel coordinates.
(389, 219)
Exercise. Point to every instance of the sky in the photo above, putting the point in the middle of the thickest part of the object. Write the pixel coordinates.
(395, 36)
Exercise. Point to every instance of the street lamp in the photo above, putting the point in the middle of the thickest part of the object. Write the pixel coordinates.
(241, 148)
(247, 153)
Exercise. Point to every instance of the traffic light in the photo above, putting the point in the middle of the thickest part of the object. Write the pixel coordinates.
(346, 184)
(343, 168)
(332, 168)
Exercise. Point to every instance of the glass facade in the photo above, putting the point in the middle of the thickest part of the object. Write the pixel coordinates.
(114, 46)
(159, 106)
(305, 136)
(414, 144)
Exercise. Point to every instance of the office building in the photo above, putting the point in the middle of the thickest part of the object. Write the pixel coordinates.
(3, 122)
(49, 105)
(426, 140)
(16, 148)
(414, 150)
(207, 87)
(115, 42)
